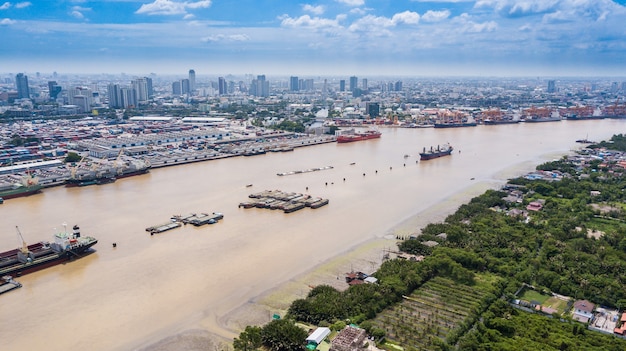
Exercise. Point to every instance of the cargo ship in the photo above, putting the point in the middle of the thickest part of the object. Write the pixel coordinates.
(30, 258)
(28, 185)
(132, 168)
(440, 151)
(351, 136)
(541, 114)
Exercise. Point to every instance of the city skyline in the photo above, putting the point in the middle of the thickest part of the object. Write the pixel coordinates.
(331, 37)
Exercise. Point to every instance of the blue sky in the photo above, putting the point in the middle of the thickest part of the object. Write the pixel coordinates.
(325, 37)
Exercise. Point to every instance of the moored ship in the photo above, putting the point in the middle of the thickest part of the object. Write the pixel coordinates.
(444, 150)
(541, 114)
(31, 258)
(351, 136)
(28, 185)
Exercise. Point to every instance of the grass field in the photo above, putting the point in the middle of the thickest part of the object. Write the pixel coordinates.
(532, 295)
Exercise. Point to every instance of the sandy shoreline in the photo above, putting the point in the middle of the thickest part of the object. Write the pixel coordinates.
(366, 257)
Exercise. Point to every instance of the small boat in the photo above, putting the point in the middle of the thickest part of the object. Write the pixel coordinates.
(352, 163)
(248, 185)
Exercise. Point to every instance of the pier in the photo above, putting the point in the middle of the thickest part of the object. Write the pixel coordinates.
(286, 201)
(8, 284)
(163, 227)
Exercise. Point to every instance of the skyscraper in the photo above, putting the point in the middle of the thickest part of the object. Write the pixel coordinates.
(294, 84)
(140, 85)
(364, 83)
(192, 80)
(176, 88)
(185, 86)
(150, 88)
(53, 90)
(260, 87)
(81, 97)
(21, 81)
(342, 85)
(353, 83)
(551, 86)
(222, 88)
(115, 97)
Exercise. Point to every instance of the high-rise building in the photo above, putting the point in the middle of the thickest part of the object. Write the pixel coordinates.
(294, 84)
(53, 90)
(23, 91)
(129, 97)
(140, 85)
(81, 97)
(150, 87)
(222, 88)
(176, 88)
(398, 86)
(115, 97)
(192, 80)
(365, 84)
(342, 85)
(185, 86)
(353, 83)
(260, 87)
(372, 109)
(551, 86)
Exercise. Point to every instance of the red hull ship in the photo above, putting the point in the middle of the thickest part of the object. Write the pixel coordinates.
(347, 138)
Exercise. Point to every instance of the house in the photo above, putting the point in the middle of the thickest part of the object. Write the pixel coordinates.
(349, 339)
(583, 311)
(317, 336)
(534, 206)
(622, 329)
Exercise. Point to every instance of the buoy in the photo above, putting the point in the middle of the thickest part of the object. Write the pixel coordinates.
(114, 244)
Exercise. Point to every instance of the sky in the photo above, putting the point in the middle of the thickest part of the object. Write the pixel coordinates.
(324, 37)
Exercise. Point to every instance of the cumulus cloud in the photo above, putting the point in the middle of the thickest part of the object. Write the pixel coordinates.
(6, 21)
(374, 24)
(170, 7)
(316, 10)
(21, 5)
(407, 17)
(309, 22)
(5, 6)
(353, 3)
(435, 16)
(225, 38)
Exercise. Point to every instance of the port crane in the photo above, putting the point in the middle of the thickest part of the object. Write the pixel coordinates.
(24, 248)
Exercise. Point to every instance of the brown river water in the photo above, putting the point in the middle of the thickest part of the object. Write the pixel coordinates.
(150, 287)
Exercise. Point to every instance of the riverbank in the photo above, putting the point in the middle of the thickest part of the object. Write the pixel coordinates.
(365, 257)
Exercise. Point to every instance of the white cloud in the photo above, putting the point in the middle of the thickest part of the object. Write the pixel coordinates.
(407, 17)
(374, 24)
(309, 22)
(435, 16)
(77, 14)
(188, 16)
(6, 21)
(225, 38)
(21, 5)
(169, 7)
(316, 10)
(5, 6)
(354, 3)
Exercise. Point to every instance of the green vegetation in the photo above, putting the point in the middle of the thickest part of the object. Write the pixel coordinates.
(574, 246)
(72, 157)
(505, 328)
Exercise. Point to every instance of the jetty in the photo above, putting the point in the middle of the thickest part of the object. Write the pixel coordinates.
(7, 284)
(305, 171)
(280, 200)
(204, 218)
(160, 228)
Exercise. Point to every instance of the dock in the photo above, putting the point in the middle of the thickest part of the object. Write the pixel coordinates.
(7, 284)
(204, 218)
(280, 200)
(305, 171)
(160, 228)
